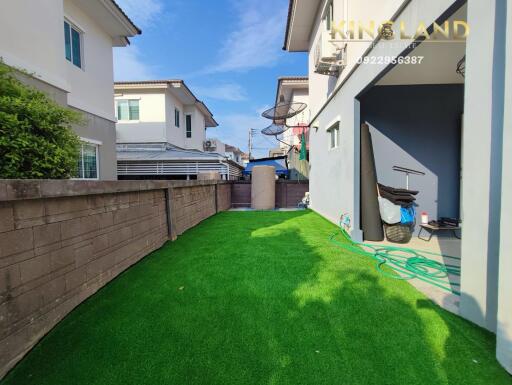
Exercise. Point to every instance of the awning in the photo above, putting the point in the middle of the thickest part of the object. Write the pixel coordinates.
(279, 164)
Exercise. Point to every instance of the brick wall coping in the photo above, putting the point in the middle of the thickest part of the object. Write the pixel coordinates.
(21, 189)
(281, 181)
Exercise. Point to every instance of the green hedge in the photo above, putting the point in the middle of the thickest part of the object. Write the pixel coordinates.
(36, 140)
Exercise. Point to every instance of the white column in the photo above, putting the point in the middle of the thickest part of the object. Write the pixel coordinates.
(483, 129)
(504, 334)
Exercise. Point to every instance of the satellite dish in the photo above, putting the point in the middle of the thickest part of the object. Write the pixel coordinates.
(283, 111)
(274, 129)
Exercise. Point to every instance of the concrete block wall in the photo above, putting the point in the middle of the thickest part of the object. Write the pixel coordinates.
(191, 205)
(61, 241)
(223, 197)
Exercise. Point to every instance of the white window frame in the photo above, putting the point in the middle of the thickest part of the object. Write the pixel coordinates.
(328, 11)
(334, 129)
(81, 32)
(126, 120)
(97, 144)
(191, 126)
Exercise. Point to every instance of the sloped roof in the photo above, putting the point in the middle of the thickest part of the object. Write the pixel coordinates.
(300, 21)
(126, 16)
(166, 152)
(170, 152)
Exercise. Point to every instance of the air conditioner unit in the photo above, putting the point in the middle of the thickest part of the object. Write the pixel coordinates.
(329, 56)
(209, 145)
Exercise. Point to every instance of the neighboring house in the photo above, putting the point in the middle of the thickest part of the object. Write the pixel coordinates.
(231, 152)
(161, 111)
(214, 145)
(161, 132)
(67, 46)
(235, 154)
(245, 159)
(432, 107)
(295, 89)
(279, 151)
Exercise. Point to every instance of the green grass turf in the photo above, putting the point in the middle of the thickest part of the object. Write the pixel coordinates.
(260, 298)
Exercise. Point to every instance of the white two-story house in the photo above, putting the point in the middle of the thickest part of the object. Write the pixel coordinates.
(429, 84)
(161, 132)
(67, 47)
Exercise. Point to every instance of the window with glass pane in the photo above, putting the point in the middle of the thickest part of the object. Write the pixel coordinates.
(134, 109)
(189, 126)
(88, 161)
(329, 16)
(127, 109)
(67, 40)
(72, 44)
(176, 117)
(334, 136)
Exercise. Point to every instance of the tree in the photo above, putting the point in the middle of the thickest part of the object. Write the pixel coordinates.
(36, 139)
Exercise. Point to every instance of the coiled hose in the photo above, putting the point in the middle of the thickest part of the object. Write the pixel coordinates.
(403, 263)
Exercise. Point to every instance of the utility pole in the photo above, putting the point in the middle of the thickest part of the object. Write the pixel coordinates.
(252, 131)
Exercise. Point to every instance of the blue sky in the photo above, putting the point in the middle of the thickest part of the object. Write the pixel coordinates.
(227, 51)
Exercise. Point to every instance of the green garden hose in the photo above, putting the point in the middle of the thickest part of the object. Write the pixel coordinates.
(404, 263)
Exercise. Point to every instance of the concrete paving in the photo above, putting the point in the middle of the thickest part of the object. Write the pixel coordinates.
(443, 246)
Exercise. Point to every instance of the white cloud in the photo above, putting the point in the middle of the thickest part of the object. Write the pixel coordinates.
(256, 40)
(142, 12)
(129, 65)
(231, 92)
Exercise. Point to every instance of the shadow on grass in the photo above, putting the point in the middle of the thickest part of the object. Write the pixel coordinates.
(259, 298)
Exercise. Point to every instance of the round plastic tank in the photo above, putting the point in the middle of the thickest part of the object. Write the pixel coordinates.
(263, 188)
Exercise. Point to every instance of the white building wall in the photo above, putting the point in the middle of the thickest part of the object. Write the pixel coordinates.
(198, 129)
(504, 332)
(322, 86)
(175, 135)
(333, 172)
(91, 87)
(151, 126)
(483, 133)
(25, 44)
(156, 120)
(32, 38)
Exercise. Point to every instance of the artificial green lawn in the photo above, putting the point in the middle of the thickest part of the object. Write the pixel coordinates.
(260, 298)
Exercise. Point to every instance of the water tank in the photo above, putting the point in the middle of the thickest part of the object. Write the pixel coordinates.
(263, 188)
